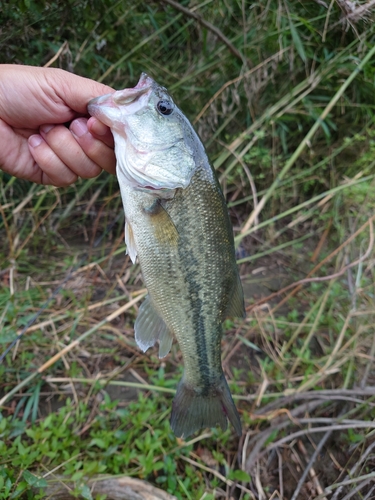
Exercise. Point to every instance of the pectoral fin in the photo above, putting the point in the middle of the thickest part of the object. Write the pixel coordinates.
(131, 249)
(150, 327)
(163, 226)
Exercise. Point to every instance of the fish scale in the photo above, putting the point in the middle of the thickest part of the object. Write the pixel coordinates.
(178, 227)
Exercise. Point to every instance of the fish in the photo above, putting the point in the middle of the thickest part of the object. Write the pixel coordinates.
(178, 227)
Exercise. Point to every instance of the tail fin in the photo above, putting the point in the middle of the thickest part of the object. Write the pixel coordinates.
(192, 411)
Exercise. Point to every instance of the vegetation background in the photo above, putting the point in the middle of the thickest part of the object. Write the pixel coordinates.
(282, 94)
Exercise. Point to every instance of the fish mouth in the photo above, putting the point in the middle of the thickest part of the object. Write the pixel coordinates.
(101, 107)
(131, 100)
(138, 97)
(145, 81)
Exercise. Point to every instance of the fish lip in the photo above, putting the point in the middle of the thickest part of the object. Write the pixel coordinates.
(127, 97)
(95, 106)
(144, 85)
(145, 81)
(131, 100)
(99, 100)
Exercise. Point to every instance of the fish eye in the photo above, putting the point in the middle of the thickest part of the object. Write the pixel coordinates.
(164, 107)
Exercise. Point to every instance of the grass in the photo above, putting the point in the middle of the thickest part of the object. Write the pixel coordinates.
(289, 124)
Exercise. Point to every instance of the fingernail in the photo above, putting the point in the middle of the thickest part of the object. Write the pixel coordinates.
(35, 141)
(79, 127)
(46, 128)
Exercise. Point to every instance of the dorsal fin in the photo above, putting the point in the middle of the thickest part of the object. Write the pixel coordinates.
(236, 306)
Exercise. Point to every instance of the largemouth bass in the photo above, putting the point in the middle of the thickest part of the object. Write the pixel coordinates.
(177, 224)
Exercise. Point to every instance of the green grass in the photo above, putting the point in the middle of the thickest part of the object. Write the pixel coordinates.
(291, 133)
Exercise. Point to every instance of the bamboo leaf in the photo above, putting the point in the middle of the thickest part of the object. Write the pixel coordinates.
(297, 41)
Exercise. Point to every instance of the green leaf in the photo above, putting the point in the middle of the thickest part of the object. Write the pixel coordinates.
(239, 475)
(36, 394)
(21, 487)
(77, 475)
(249, 344)
(29, 478)
(35, 481)
(297, 41)
(100, 443)
(85, 492)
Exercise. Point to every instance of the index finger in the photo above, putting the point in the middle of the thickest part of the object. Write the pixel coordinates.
(95, 149)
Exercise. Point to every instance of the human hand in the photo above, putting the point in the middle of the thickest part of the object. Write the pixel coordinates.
(35, 103)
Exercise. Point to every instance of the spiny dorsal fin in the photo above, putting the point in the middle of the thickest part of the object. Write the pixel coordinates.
(150, 327)
(236, 306)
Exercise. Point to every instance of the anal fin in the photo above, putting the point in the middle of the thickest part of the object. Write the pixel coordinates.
(150, 327)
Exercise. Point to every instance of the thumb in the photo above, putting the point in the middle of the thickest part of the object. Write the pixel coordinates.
(76, 91)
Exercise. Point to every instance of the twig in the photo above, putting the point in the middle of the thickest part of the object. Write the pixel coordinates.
(354, 469)
(321, 198)
(141, 44)
(71, 346)
(327, 20)
(37, 225)
(235, 80)
(306, 140)
(359, 12)
(325, 395)
(208, 25)
(119, 488)
(310, 464)
(354, 424)
(297, 93)
(258, 484)
(369, 494)
(76, 342)
(281, 479)
(369, 365)
(229, 482)
(248, 174)
(358, 488)
(257, 442)
(348, 482)
(312, 329)
(7, 229)
(63, 47)
(297, 285)
(52, 471)
(91, 307)
(321, 242)
(39, 312)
